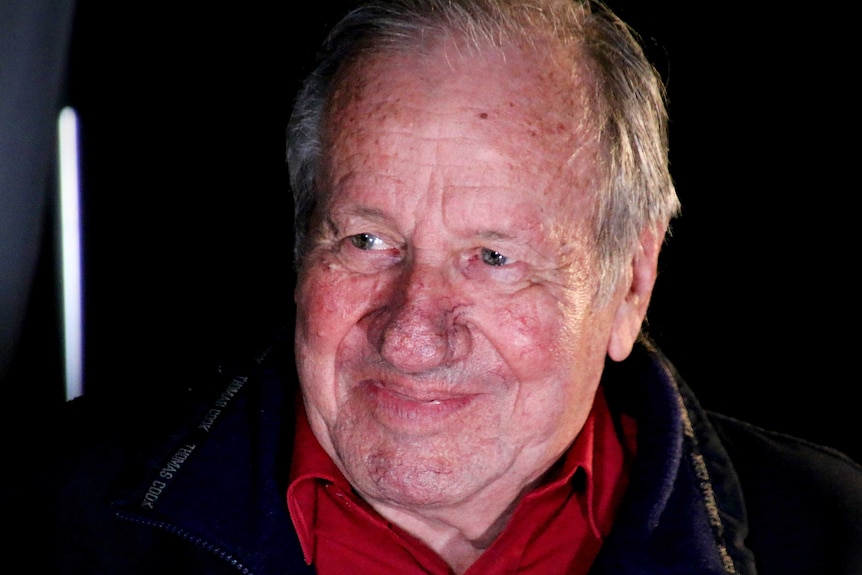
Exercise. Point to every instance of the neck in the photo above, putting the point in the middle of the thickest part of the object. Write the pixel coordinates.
(458, 537)
(458, 534)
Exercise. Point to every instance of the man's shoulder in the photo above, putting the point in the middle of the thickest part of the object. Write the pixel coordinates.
(763, 453)
(803, 500)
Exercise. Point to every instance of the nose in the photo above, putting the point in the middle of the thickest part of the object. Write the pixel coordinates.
(419, 328)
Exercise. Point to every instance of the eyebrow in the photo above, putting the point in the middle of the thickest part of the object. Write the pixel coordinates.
(356, 210)
(517, 235)
(352, 211)
(498, 235)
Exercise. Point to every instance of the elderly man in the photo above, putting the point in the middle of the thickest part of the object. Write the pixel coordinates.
(482, 192)
(480, 236)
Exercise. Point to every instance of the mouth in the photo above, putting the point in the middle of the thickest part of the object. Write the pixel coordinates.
(398, 405)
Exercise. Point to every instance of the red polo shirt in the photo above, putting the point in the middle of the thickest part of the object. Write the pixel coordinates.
(557, 528)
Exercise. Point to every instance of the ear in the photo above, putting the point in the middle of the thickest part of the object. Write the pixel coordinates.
(632, 309)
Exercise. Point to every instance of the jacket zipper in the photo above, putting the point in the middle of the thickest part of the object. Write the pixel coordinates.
(193, 539)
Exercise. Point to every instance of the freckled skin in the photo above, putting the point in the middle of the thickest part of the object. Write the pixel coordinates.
(443, 386)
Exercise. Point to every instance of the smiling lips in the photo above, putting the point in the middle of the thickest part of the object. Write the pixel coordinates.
(398, 405)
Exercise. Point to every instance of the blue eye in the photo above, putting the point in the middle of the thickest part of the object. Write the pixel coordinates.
(493, 258)
(366, 241)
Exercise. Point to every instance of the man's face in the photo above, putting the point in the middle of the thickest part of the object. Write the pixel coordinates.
(446, 340)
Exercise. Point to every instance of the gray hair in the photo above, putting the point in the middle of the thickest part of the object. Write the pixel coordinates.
(628, 105)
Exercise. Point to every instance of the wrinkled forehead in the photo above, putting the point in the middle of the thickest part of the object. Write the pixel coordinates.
(536, 98)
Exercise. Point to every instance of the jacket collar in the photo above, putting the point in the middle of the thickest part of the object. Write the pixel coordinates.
(684, 510)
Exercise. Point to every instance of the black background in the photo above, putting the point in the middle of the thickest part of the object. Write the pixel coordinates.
(183, 108)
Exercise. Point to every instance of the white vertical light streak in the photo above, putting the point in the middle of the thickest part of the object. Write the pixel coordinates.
(70, 252)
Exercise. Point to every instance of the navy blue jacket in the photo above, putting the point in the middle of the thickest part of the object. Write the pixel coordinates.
(195, 484)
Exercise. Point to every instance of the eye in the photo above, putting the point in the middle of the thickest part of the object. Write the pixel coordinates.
(493, 258)
(366, 242)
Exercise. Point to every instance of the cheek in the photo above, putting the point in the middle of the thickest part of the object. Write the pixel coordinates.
(327, 301)
(529, 331)
(327, 308)
(539, 329)
(548, 344)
